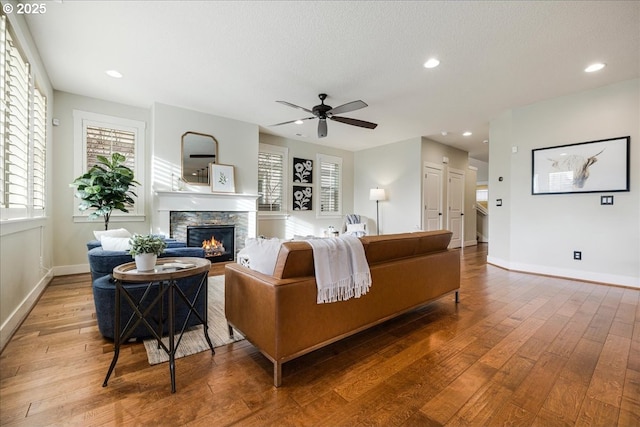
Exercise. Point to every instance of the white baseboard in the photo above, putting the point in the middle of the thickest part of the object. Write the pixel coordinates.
(470, 243)
(64, 270)
(589, 276)
(8, 328)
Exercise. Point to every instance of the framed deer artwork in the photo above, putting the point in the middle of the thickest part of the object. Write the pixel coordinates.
(585, 167)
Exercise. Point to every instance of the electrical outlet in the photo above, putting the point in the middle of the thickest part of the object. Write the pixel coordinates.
(577, 255)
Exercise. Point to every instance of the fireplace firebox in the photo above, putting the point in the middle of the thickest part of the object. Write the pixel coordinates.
(218, 241)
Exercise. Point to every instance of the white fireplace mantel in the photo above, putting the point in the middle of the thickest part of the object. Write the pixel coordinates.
(171, 201)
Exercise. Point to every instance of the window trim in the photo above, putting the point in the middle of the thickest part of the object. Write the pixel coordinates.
(82, 119)
(284, 151)
(324, 158)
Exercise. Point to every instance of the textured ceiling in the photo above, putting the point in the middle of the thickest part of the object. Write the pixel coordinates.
(235, 59)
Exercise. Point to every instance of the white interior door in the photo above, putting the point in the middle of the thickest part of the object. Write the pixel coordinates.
(432, 215)
(456, 207)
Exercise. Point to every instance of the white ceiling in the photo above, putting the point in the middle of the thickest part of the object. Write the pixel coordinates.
(235, 59)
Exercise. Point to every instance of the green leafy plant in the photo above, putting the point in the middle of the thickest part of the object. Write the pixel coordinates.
(105, 187)
(146, 244)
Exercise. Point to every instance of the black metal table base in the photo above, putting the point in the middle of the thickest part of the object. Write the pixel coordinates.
(142, 317)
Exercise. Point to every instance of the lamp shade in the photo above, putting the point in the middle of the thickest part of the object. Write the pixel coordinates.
(377, 194)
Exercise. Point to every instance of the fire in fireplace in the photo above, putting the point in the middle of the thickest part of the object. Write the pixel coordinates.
(218, 241)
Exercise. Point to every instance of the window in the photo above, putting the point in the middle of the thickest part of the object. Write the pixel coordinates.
(330, 200)
(272, 161)
(101, 135)
(23, 136)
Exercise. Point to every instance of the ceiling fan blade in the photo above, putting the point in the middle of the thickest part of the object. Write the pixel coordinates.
(295, 106)
(293, 121)
(322, 128)
(355, 122)
(349, 106)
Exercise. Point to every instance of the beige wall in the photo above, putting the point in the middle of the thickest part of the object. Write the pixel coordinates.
(27, 246)
(539, 233)
(70, 235)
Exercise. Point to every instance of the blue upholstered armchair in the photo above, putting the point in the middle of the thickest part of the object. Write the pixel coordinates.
(102, 263)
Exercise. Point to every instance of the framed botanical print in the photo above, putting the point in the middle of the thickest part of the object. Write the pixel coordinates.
(222, 178)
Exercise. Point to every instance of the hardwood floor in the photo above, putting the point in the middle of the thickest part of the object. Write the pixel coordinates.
(518, 349)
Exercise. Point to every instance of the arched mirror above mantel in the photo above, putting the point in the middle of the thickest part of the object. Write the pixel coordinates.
(198, 150)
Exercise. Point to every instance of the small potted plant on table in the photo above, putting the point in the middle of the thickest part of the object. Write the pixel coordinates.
(145, 250)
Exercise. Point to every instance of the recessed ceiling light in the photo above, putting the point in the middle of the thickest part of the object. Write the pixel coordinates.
(114, 73)
(298, 122)
(444, 133)
(595, 67)
(467, 133)
(431, 63)
(486, 141)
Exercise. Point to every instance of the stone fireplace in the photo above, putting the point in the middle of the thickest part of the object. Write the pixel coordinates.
(176, 211)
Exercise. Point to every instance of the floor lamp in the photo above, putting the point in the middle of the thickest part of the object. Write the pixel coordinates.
(377, 194)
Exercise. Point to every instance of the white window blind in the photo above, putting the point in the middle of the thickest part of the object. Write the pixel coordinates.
(22, 133)
(272, 178)
(330, 200)
(104, 141)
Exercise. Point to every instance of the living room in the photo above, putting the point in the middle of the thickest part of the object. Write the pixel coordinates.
(528, 233)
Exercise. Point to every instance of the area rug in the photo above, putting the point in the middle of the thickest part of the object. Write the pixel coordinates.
(193, 340)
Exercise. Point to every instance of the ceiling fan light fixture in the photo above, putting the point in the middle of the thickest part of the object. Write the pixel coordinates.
(431, 63)
(595, 67)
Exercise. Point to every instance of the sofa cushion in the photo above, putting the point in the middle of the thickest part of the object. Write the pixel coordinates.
(118, 232)
(115, 243)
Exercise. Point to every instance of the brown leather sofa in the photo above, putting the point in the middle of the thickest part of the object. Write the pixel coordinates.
(279, 314)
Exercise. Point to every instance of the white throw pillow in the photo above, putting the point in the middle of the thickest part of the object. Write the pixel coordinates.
(118, 232)
(354, 228)
(115, 243)
(262, 254)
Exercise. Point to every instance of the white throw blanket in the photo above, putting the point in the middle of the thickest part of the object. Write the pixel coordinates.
(342, 271)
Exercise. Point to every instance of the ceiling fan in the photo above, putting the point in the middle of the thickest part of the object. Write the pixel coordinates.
(324, 112)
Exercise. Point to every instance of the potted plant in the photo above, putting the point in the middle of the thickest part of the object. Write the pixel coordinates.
(145, 250)
(105, 187)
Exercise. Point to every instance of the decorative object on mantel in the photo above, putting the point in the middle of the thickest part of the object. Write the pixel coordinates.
(145, 250)
(377, 194)
(222, 178)
(105, 187)
(198, 151)
(302, 198)
(302, 171)
(586, 167)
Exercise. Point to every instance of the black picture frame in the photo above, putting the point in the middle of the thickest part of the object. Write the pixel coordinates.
(586, 167)
(302, 171)
(302, 198)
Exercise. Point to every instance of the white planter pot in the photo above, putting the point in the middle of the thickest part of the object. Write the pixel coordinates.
(146, 262)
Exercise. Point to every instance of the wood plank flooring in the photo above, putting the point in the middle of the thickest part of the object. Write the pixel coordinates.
(518, 349)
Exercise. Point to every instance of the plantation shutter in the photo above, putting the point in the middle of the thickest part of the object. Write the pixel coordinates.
(39, 150)
(330, 185)
(103, 141)
(15, 124)
(270, 181)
